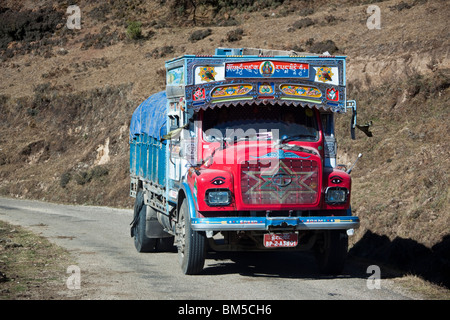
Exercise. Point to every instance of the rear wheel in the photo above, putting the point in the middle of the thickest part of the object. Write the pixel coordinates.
(191, 244)
(331, 251)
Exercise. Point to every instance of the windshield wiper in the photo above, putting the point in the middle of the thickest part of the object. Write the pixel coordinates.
(301, 135)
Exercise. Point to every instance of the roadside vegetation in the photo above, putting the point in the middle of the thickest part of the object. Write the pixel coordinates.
(31, 268)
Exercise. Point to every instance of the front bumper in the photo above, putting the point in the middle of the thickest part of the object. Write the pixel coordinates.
(275, 223)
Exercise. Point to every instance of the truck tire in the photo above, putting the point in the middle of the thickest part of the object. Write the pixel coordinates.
(191, 244)
(142, 243)
(331, 251)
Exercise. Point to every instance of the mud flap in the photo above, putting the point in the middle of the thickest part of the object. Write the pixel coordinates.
(138, 203)
(154, 229)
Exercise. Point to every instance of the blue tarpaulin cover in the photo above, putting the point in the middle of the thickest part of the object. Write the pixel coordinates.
(150, 117)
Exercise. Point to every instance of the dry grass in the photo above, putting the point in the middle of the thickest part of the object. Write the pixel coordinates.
(416, 285)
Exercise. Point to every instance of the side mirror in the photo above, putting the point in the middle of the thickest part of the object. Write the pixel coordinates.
(354, 163)
(351, 104)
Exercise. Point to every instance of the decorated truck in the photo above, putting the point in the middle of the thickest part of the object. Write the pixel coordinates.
(239, 153)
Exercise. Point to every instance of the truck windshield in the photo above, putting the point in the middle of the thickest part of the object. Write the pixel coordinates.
(251, 122)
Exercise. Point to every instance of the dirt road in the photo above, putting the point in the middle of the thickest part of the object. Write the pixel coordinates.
(110, 268)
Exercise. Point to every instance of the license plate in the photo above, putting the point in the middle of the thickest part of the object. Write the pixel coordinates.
(280, 240)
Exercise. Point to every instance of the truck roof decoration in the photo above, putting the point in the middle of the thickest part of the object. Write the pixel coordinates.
(232, 77)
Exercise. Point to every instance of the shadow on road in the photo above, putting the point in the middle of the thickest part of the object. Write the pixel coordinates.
(408, 256)
(294, 265)
(395, 258)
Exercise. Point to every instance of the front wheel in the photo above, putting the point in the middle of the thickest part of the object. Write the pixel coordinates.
(191, 244)
(331, 251)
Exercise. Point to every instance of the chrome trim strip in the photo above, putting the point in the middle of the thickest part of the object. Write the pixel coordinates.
(266, 224)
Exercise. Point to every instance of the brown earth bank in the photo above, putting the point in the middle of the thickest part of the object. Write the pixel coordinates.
(66, 99)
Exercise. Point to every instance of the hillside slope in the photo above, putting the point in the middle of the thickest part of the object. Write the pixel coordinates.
(67, 96)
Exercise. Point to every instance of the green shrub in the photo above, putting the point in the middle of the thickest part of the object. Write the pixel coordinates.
(98, 171)
(199, 35)
(65, 178)
(82, 178)
(235, 35)
(134, 30)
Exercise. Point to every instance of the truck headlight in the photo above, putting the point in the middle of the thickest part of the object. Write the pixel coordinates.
(336, 195)
(218, 197)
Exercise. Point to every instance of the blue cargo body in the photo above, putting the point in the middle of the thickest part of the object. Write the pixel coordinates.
(147, 152)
